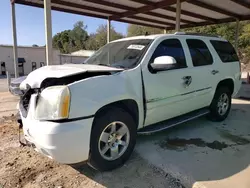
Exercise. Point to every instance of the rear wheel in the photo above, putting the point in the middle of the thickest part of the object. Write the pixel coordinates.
(113, 139)
(221, 104)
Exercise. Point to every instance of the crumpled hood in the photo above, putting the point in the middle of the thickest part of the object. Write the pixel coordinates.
(35, 78)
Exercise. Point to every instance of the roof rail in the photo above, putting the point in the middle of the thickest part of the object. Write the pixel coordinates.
(196, 34)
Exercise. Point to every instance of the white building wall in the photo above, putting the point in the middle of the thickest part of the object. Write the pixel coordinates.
(78, 59)
(30, 54)
(67, 58)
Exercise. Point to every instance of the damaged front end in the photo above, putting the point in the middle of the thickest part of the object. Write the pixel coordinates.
(70, 79)
(51, 100)
(56, 81)
(48, 82)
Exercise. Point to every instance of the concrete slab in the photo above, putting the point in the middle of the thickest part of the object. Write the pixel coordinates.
(244, 92)
(3, 84)
(202, 153)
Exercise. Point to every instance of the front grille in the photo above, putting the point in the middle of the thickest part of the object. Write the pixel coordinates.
(25, 101)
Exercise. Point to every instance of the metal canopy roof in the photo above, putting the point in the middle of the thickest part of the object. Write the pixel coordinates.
(154, 13)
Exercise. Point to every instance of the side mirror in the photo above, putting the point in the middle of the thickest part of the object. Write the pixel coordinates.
(163, 63)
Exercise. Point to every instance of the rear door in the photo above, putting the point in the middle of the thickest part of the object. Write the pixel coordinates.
(205, 71)
(228, 60)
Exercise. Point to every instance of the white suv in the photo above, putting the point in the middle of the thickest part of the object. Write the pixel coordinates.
(93, 111)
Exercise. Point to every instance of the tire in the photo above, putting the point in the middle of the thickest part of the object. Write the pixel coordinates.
(102, 127)
(217, 112)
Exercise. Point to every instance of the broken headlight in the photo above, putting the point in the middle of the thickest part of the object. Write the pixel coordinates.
(53, 103)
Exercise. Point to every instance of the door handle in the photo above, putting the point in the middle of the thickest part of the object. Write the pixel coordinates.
(187, 80)
(186, 77)
(214, 72)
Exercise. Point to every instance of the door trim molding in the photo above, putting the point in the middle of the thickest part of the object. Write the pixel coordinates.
(163, 98)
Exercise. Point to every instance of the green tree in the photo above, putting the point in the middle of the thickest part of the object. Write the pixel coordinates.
(71, 40)
(135, 30)
(78, 36)
(61, 41)
(99, 38)
(226, 30)
(244, 44)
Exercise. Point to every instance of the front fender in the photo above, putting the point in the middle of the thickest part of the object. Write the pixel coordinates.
(89, 95)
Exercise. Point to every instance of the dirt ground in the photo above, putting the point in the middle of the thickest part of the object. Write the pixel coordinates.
(3, 84)
(23, 167)
(8, 104)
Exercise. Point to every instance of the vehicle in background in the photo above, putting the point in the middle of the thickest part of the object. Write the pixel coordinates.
(14, 86)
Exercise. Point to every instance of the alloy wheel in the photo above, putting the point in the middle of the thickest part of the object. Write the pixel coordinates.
(113, 140)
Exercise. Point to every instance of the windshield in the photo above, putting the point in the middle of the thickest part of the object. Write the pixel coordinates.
(123, 54)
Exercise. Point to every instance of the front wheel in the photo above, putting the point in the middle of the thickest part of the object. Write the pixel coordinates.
(112, 140)
(221, 104)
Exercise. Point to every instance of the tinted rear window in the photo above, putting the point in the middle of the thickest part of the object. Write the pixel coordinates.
(225, 51)
(200, 53)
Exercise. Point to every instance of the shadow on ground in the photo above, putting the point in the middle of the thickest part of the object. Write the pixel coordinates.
(135, 173)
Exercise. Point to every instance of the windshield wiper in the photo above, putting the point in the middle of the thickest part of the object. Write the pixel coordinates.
(103, 64)
(119, 66)
(116, 66)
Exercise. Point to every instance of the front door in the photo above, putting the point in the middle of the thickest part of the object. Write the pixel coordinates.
(168, 93)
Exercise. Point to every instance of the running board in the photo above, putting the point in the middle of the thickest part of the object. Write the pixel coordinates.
(173, 122)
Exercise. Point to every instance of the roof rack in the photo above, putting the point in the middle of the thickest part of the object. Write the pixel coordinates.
(196, 34)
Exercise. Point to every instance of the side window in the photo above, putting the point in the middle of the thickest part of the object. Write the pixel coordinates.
(171, 47)
(199, 52)
(225, 50)
(33, 66)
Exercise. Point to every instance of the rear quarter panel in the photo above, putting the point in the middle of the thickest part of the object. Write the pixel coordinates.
(227, 70)
(232, 70)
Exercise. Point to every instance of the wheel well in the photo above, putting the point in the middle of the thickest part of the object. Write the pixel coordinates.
(228, 83)
(128, 105)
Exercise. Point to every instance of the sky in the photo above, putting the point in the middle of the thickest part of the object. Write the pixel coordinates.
(30, 24)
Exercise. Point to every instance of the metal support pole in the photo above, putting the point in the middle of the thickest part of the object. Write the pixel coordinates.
(237, 35)
(8, 80)
(108, 30)
(178, 15)
(60, 57)
(15, 53)
(48, 31)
